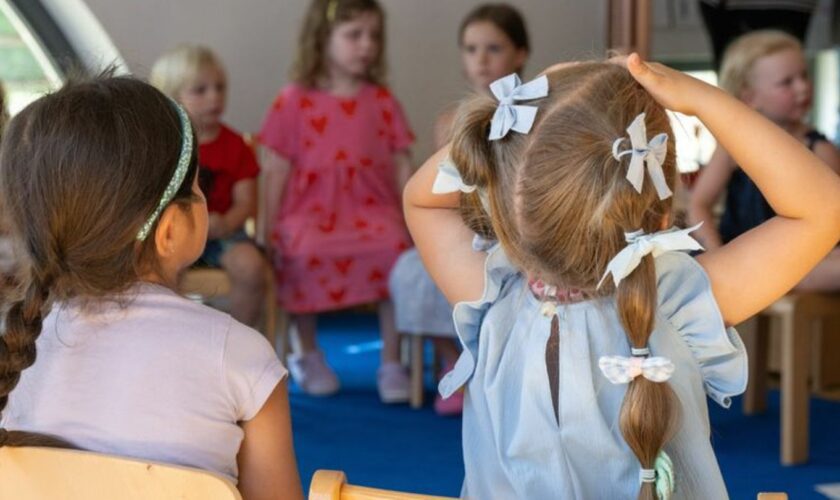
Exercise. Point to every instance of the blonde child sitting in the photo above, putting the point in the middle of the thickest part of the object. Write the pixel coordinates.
(768, 72)
(194, 76)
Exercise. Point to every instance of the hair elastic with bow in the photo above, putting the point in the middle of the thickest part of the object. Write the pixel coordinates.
(623, 369)
(644, 153)
(510, 116)
(640, 244)
(662, 475)
(449, 180)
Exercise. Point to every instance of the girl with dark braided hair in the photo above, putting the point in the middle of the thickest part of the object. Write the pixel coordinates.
(99, 185)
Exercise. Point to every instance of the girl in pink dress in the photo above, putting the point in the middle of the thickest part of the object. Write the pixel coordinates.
(337, 159)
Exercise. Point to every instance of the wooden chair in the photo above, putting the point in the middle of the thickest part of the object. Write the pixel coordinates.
(772, 496)
(48, 473)
(800, 315)
(332, 485)
(415, 358)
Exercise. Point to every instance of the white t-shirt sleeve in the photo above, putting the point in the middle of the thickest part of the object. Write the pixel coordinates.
(251, 370)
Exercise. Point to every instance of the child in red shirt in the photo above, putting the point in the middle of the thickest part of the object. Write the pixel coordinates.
(194, 76)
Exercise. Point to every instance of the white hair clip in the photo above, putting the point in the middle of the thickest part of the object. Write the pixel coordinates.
(644, 153)
(510, 116)
(449, 180)
(621, 369)
(640, 244)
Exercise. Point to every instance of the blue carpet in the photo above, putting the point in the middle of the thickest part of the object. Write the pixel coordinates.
(395, 447)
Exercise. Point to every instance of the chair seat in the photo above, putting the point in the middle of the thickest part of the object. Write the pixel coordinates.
(332, 485)
(798, 314)
(205, 282)
(39, 473)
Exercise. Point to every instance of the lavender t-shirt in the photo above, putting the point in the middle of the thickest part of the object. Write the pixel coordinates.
(159, 378)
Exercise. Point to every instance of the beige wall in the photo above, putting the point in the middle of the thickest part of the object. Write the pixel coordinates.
(256, 38)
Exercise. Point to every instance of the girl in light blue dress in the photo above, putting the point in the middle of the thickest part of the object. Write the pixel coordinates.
(591, 339)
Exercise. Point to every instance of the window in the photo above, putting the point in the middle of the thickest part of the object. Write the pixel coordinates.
(26, 70)
(695, 143)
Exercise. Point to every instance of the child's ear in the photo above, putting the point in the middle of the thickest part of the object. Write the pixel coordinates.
(167, 228)
(747, 95)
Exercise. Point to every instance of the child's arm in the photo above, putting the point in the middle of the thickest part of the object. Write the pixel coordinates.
(444, 242)
(275, 171)
(761, 265)
(710, 184)
(828, 153)
(266, 459)
(402, 161)
(244, 205)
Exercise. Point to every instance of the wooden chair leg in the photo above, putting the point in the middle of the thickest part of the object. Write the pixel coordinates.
(816, 358)
(756, 336)
(795, 396)
(416, 366)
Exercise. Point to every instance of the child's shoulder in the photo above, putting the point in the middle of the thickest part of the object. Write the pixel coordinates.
(232, 138)
(291, 93)
(382, 93)
(680, 282)
(189, 317)
(678, 266)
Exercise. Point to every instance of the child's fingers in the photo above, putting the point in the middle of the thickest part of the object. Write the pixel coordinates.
(638, 68)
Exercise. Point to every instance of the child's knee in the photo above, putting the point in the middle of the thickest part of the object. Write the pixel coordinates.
(245, 264)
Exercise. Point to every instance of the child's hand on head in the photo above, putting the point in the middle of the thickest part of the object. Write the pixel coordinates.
(671, 88)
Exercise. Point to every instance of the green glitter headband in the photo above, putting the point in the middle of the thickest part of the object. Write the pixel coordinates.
(332, 5)
(177, 177)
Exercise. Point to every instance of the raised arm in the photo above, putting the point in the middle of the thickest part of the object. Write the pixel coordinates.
(444, 242)
(761, 265)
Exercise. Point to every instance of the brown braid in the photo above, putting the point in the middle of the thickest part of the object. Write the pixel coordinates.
(80, 172)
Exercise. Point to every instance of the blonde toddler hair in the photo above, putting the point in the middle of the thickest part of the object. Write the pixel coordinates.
(741, 55)
(180, 65)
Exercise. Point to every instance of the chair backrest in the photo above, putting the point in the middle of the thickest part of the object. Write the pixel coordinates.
(772, 496)
(332, 485)
(31, 473)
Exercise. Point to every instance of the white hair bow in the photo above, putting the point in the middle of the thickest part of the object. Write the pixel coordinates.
(640, 244)
(448, 180)
(510, 116)
(621, 370)
(644, 153)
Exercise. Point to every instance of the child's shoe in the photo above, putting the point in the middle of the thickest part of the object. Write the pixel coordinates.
(312, 374)
(451, 406)
(393, 383)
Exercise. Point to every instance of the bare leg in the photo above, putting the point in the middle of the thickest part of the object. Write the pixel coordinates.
(304, 341)
(246, 269)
